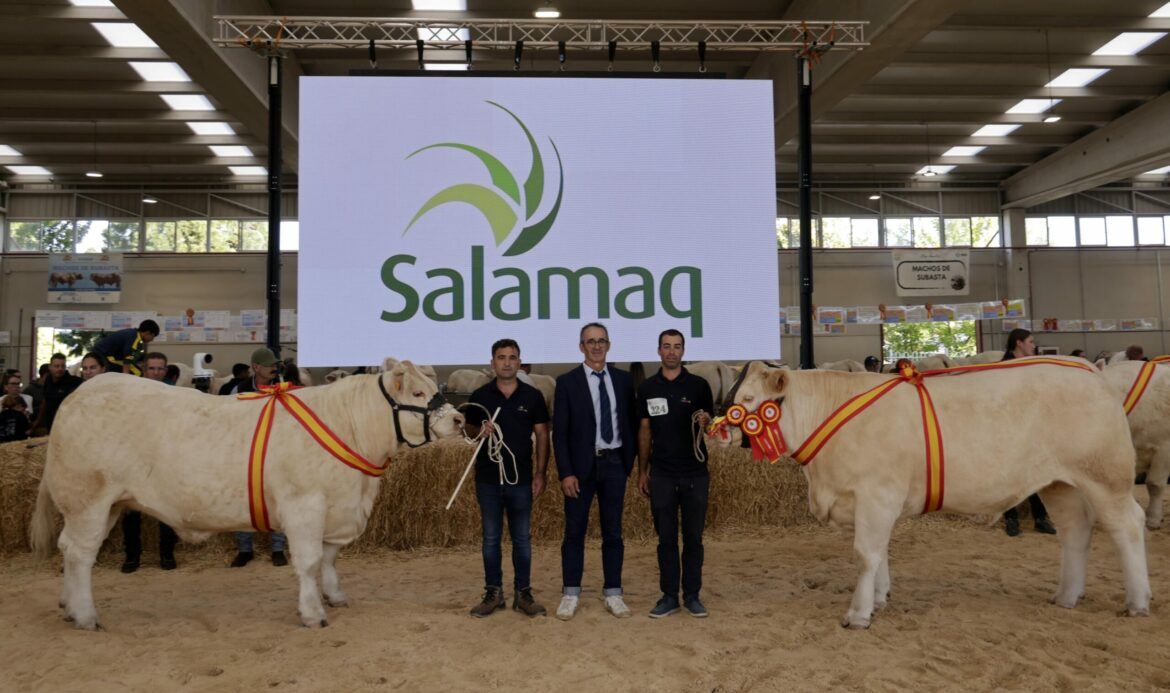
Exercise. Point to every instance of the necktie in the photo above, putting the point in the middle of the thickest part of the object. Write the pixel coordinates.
(606, 421)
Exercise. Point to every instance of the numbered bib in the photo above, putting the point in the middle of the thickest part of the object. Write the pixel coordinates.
(657, 406)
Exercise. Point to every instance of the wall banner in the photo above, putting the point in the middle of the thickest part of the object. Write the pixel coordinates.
(85, 278)
(941, 272)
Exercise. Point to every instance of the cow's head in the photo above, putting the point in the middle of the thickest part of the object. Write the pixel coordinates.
(758, 382)
(418, 409)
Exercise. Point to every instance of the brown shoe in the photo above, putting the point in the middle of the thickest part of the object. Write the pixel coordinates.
(525, 603)
(493, 601)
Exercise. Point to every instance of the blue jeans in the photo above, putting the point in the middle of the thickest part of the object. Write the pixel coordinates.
(608, 483)
(244, 541)
(494, 501)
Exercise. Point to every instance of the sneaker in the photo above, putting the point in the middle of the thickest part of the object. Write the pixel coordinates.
(279, 559)
(493, 601)
(615, 605)
(242, 559)
(568, 607)
(130, 565)
(1011, 525)
(666, 606)
(695, 607)
(168, 563)
(1044, 526)
(523, 601)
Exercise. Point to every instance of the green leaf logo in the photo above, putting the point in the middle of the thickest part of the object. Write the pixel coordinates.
(503, 204)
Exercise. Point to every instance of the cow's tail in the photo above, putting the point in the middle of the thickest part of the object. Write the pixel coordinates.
(40, 531)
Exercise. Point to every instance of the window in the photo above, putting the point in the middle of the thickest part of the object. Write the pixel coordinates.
(1151, 231)
(836, 232)
(957, 231)
(254, 235)
(182, 236)
(782, 238)
(899, 233)
(1119, 230)
(864, 233)
(25, 236)
(926, 232)
(225, 235)
(985, 232)
(1036, 231)
(1062, 232)
(104, 236)
(1092, 230)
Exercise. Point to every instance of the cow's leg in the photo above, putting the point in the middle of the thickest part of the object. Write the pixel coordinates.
(881, 582)
(79, 542)
(871, 539)
(329, 583)
(305, 527)
(1074, 528)
(1122, 517)
(1156, 486)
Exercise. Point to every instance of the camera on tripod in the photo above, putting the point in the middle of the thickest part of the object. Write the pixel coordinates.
(201, 375)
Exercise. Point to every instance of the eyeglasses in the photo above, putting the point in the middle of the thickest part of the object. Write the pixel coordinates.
(592, 343)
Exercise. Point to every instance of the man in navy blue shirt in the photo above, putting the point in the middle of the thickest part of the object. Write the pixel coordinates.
(672, 471)
(509, 487)
(124, 349)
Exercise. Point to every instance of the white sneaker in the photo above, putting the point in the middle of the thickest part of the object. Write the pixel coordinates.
(616, 606)
(568, 607)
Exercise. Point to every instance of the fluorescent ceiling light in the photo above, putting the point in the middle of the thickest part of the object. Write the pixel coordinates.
(1033, 105)
(445, 67)
(124, 35)
(210, 128)
(1157, 171)
(935, 170)
(1129, 43)
(91, 3)
(995, 130)
(188, 102)
(1052, 119)
(149, 200)
(160, 72)
(875, 196)
(1163, 11)
(5, 150)
(963, 151)
(1077, 77)
(93, 174)
(30, 170)
(547, 11)
(248, 170)
(231, 151)
(440, 5)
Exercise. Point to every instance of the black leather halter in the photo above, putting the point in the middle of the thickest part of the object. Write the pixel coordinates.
(743, 443)
(437, 402)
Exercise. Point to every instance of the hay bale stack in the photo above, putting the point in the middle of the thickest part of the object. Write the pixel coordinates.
(410, 510)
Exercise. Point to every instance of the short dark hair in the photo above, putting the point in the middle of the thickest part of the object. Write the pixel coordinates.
(148, 326)
(173, 372)
(56, 356)
(671, 333)
(43, 369)
(91, 355)
(593, 324)
(155, 355)
(1134, 352)
(239, 370)
(504, 344)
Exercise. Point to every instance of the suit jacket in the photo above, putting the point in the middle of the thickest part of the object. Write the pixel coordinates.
(575, 425)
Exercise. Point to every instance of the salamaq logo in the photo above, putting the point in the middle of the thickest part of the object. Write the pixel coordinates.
(506, 207)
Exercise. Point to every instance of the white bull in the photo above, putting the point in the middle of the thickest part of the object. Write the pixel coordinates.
(547, 386)
(981, 357)
(718, 375)
(847, 365)
(193, 472)
(1074, 448)
(1149, 424)
(466, 380)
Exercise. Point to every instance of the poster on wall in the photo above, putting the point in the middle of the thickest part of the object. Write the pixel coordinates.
(939, 272)
(85, 278)
(496, 207)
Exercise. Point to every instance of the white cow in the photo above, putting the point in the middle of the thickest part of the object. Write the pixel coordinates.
(466, 380)
(981, 357)
(1149, 424)
(1075, 450)
(718, 375)
(193, 472)
(847, 365)
(335, 375)
(547, 386)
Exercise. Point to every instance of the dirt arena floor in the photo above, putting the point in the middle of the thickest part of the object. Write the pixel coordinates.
(968, 611)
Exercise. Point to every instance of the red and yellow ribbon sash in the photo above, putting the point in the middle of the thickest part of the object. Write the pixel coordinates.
(1141, 382)
(316, 429)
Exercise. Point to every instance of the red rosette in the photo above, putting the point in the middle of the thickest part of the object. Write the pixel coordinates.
(752, 425)
(736, 414)
(769, 411)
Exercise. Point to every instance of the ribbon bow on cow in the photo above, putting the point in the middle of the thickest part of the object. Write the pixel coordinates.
(317, 430)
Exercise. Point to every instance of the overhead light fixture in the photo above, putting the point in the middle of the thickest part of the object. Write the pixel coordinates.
(1129, 43)
(248, 170)
(232, 150)
(996, 130)
(875, 196)
(1077, 77)
(1157, 171)
(546, 11)
(30, 170)
(963, 151)
(5, 150)
(124, 35)
(1032, 106)
(445, 67)
(439, 5)
(1052, 119)
(935, 170)
(91, 3)
(188, 102)
(210, 128)
(1163, 11)
(93, 174)
(160, 72)
(148, 200)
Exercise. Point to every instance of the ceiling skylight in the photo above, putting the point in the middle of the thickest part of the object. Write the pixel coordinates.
(440, 5)
(200, 128)
(160, 72)
(188, 102)
(1052, 119)
(1157, 171)
(5, 150)
(30, 170)
(445, 67)
(963, 151)
(1163, 11)
(996, 130)
(1077, 77)
(124, 35)
(248, 170)
(935, 170)
(1129, 43)
(91, 3)
(231, 151)
(1033, 105)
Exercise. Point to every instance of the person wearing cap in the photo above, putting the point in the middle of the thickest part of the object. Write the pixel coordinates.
(873, 364)
(124, 349)
(264, 374)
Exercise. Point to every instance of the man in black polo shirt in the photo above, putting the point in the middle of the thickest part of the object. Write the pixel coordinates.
(507, 489)
(671, 475)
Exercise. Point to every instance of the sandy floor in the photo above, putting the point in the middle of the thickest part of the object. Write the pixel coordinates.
(968, 611)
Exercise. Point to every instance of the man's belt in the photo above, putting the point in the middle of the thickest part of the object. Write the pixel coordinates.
(605, 452)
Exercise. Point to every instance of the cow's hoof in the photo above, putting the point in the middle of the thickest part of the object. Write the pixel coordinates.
(315, 623)
(1064, 602)
(854, 623)
(1137, 611)
(1153, 524)
(336, 601)
(90, 626)
(880, 603)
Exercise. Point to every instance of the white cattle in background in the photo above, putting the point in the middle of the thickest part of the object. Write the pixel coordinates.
(547, 386)
(466, 380)
(718, 375)
(847, 365)
(981, 357)
(335, 375)
(1149, 424)
(1074, 450)
(191, 473)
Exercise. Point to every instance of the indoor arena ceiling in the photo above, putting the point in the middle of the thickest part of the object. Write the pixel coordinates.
(74, 100)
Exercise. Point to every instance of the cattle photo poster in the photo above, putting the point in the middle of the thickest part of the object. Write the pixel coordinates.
(440, 214)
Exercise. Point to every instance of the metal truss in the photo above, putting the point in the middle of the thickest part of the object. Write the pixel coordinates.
(350, 32)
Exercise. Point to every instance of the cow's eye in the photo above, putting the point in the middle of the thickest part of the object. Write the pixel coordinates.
(418, 393)
(748, 399)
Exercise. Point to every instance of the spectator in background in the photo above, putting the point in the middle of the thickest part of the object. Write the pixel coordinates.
(36, 389)
(12, 387)
(154, 367)
(1134, 352)
(14, 423)
(125, 348)
(173, 375)
(873, 364)
(1078, 353)
(240, 373)
(291, 373)
(91, 365)
(1019, 345)
(58, 385)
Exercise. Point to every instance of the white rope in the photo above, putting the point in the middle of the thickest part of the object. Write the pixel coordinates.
(697, 436)
(496, 447)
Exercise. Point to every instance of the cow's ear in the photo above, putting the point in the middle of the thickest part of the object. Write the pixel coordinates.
(389, 363)
(777, 379)
(398, 378)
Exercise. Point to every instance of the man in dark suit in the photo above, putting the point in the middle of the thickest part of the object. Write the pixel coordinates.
(594, 439)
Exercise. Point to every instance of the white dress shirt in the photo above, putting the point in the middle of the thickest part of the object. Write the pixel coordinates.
(594, 381)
